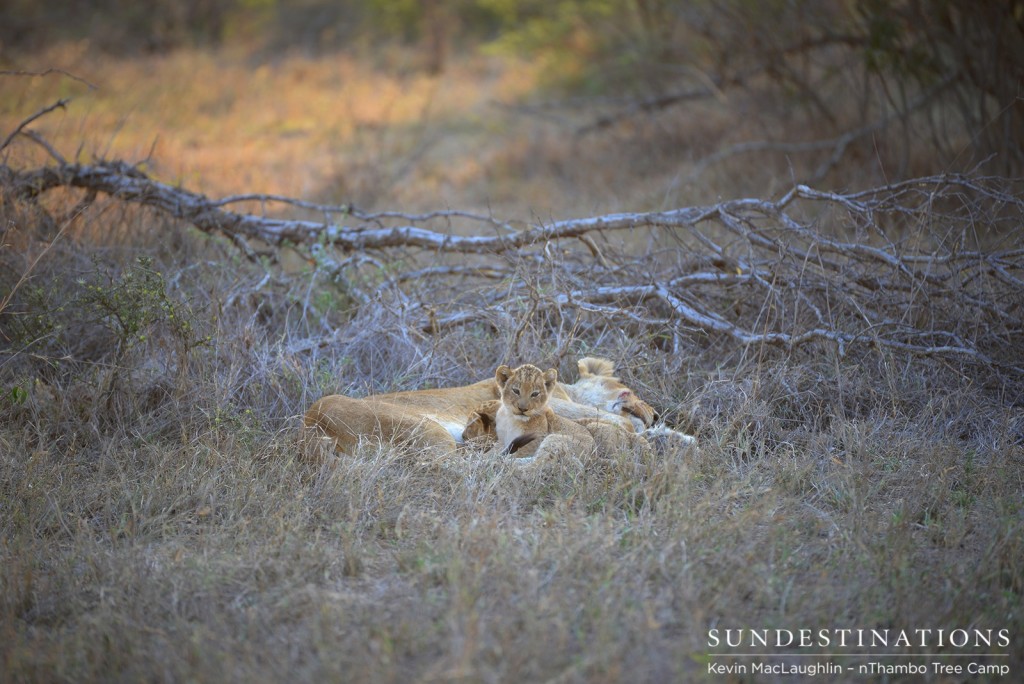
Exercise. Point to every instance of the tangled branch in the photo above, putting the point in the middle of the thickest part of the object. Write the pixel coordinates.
(903, 267)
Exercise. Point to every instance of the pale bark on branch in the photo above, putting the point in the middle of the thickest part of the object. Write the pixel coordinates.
(894, 267)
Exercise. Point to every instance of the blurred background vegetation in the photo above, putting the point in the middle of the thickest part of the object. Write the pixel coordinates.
(836, 64)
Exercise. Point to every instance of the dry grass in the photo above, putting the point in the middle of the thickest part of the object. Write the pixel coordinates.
(158, 524)
(331, 129)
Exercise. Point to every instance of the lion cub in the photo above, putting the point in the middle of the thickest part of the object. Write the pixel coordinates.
(525, 423)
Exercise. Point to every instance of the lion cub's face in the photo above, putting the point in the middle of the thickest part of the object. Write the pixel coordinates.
(525, 390)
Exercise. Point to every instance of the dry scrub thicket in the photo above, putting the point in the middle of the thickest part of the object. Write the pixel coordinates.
(850, 363)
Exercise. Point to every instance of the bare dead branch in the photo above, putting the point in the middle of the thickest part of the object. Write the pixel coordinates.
(884, 268)
(59, 104)
(42, 142)
(49, 71)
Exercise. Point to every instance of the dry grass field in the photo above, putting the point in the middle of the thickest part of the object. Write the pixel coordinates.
(158, 521)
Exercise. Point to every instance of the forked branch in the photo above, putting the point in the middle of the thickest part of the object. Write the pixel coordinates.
(898, 267)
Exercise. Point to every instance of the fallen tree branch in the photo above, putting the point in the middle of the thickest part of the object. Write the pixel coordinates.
(885, 268)
(129, 184)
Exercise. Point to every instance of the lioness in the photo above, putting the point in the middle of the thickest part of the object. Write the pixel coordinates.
(525, 423)
(434, 420)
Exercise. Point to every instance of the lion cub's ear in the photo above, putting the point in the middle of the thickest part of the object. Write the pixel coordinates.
(502, 375)
(550, 378)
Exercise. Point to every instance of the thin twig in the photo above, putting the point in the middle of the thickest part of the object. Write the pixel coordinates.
(59, 104)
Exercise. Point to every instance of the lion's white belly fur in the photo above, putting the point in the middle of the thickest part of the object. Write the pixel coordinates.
(454, 427)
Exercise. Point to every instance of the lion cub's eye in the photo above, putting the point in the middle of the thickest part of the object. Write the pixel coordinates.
(515, 391)
(535, 394)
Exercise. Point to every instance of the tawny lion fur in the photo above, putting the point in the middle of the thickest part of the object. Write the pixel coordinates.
(436, 421)
(524, 422)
